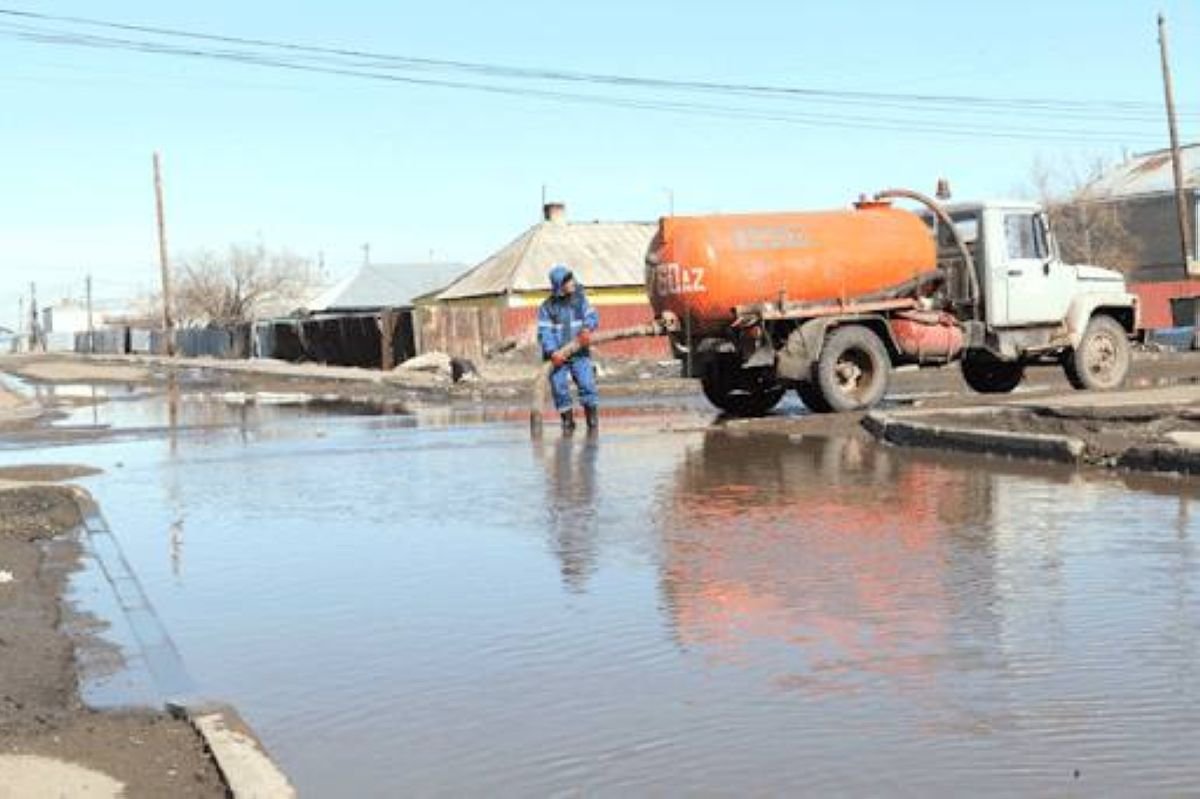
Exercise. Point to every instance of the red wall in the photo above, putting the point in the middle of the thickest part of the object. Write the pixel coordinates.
(519, 322)
(1155, 300)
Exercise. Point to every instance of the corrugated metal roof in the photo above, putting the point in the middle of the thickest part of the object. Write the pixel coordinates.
(1147, 173)
(601, 254)
(386, 286)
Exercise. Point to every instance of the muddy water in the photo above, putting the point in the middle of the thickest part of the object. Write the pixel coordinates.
(432, 604)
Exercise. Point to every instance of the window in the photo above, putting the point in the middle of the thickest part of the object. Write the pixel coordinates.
(1024, 237)
(967, 227)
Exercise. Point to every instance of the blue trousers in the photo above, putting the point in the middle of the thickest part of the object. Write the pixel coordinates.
(583, 373)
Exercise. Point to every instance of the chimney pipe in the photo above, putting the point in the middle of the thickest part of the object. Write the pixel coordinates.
(554, 212)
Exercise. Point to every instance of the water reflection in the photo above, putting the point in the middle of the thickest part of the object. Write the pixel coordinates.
(746, 615)
(571, 506)
(854, 560)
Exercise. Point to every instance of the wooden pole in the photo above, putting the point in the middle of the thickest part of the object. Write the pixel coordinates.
(35, 339)
(387, 339)
(90, 327)
(1181, 209)
(168, 320)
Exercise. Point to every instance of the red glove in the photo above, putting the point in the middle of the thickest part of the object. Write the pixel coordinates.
(558, 359)
(584, 338)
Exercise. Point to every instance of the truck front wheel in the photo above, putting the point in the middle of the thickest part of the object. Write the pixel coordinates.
(1101, 361)
(738, 391)
(853, 369)
(987, 374)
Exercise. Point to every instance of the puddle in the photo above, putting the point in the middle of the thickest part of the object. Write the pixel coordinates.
(431, 603)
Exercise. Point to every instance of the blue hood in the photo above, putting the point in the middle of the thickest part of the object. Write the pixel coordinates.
(559, 275)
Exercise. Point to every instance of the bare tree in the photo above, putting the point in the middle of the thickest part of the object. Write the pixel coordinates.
(1089, 229)
(240, 284)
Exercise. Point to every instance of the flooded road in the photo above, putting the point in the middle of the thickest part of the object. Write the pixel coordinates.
(430, 603)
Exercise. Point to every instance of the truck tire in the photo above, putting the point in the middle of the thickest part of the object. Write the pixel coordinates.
(1101, 361)
(853, 369)
(987, 374)
(810, 395)
(740, 392)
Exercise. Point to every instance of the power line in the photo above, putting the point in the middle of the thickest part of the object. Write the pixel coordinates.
(816, 120)
(350, 63)
(499, 70)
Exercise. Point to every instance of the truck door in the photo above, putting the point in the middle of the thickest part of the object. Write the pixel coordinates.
(1038, 285)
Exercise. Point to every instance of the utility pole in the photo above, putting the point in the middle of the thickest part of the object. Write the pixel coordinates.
(1185, 239)
(20, 321)
(34, 337)
(91, 329)
(366, 248)
(168, 321)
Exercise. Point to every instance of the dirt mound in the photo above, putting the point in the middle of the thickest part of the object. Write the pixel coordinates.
(36, 512)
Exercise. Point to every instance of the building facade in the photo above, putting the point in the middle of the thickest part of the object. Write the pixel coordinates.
(495, 304)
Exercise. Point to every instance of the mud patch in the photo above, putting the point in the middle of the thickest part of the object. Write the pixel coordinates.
(69, 370)
(31, 513)
(1106, 435)
(47, 473)
(41, 713)
(152, 754)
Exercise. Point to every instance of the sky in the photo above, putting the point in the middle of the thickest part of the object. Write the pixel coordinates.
(322, 164)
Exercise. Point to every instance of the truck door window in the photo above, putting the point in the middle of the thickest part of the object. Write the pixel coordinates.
(1024, 238)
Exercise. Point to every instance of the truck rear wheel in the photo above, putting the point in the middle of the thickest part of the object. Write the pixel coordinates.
(853, 369)
(1101, 361)
(738, 391)
(987, 374)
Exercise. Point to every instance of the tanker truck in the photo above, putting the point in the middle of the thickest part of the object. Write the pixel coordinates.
(828, 304)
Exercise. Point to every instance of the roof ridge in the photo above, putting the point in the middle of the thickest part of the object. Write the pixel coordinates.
(478, 267)
(532, 234)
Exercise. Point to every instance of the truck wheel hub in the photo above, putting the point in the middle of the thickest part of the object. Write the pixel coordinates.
(1101, 354)
(851, 372)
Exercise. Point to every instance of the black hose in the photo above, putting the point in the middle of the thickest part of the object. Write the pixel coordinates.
(936, 208)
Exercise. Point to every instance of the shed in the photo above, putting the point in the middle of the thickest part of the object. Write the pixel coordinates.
(376, 286)
(363, 320)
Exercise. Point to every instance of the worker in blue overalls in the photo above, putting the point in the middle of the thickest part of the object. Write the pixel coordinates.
(565, 316)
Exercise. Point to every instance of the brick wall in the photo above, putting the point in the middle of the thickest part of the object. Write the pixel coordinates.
(521, 323)
(466, 330)
(1155, 300)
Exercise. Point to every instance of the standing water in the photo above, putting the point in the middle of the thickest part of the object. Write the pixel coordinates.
(418, 604)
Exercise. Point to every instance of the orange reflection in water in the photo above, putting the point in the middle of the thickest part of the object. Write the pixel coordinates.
(824, 560)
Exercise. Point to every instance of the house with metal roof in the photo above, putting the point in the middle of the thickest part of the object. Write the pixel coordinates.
(1142, 189)
(498, 299)
(376, 286)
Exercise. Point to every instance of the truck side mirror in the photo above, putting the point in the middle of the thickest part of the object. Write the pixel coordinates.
(1043, 222)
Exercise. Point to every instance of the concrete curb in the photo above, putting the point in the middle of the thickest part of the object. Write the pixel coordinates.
(1180, 460)
(242, 760)
(247, 769)
(910, 432)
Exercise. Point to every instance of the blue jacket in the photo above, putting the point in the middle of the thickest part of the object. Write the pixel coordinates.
(561, 318)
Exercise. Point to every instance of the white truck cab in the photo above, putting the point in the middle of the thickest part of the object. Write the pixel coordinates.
(1035, 307)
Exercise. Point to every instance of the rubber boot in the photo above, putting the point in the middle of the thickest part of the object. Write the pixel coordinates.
(568, 422)
(592, 414)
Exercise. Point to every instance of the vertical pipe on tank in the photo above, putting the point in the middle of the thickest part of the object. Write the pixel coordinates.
(687, 325)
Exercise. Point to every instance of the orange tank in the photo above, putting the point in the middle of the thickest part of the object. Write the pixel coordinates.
(702, 267)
